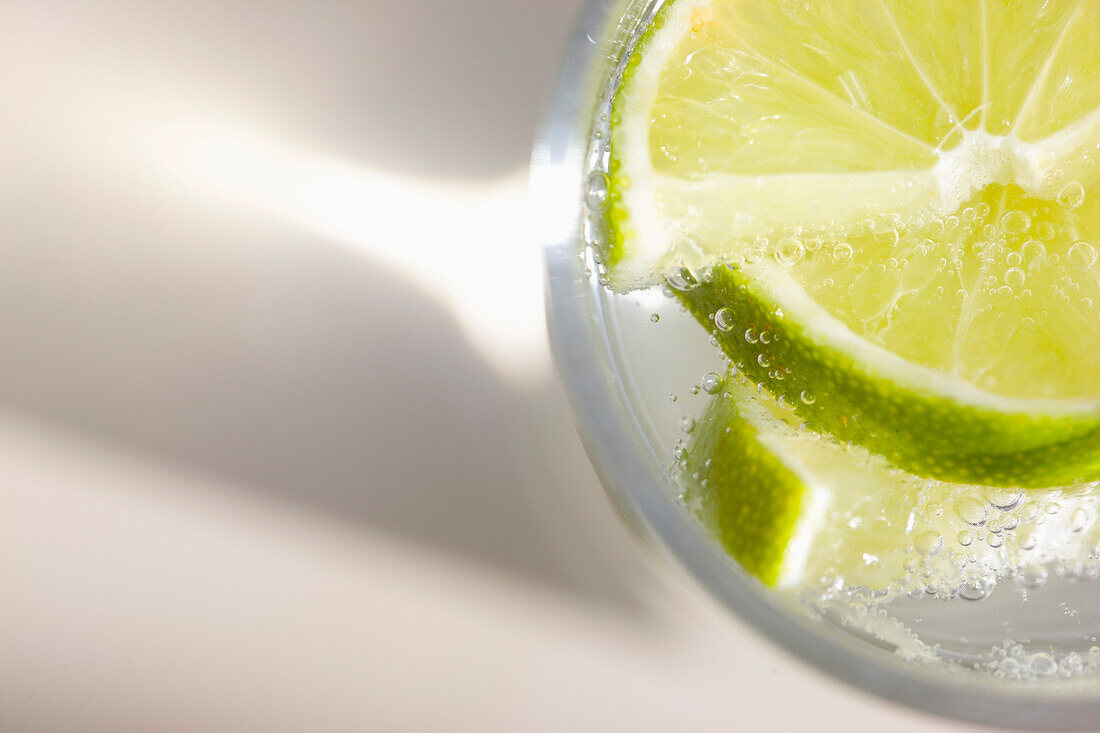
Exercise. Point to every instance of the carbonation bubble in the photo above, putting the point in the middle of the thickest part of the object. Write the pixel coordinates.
(682, 280)
(711, 382)
(972, 511)
(687, 424)
(1005, 499)
(842, 253)
(596, 193)
(1042, 665)
(723, 319)
(1008, 667)
(790, 251)
(927, 542)
(655, 317)
(1032, 577)
(1072, 571)
(966, 537)
(807, 397)
(1015, 277)
(1082, 255)
(1072, 195)
(977, 590)
(1079, 519)
(1016, 222)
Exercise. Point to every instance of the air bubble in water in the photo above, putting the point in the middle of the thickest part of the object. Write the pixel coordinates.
(711, 382)
(1016, 222)
(807, 397)
(1032, 577)
(723, 319)
(595, 194)
(972, 511)
(978, 589)
(1015, 277)
(842, 253)
(928, 542)
(1079, 519)
(655, 317)
(1043, 665)
(687, 424)
(1072, 195)
(966, 537)
(1071, 571)
(1045, 230)
(1005, 499)
(790, 251)
(1009, 668)
(682, 280)
(1082, 255)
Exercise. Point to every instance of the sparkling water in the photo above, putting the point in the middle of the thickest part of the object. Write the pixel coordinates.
(1040, 620)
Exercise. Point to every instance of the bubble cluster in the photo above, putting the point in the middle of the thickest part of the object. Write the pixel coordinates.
(1021, 660)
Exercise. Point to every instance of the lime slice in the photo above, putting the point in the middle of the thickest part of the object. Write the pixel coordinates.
(926, 422)
(907, 193)
(797, 509)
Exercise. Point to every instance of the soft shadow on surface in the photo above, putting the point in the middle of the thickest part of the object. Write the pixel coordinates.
(423, 87)
(188, 326)
(298, 366)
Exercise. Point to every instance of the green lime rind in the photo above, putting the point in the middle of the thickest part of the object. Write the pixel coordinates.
(617, 218)
(755, 526)
(925, 433)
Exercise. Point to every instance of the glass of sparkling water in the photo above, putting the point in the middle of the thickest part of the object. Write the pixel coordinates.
(636, 368)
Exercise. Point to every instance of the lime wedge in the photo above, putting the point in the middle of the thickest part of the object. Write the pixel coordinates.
(904, 195)
(797, 509)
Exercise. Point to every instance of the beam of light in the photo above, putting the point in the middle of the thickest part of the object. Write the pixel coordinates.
(468, 246)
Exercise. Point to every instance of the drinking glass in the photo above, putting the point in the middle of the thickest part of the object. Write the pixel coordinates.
(627, 361)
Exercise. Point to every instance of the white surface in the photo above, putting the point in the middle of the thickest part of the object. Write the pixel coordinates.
(280, 445)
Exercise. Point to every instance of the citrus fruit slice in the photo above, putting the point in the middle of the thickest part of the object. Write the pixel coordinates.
(797, 509)
(904, 192)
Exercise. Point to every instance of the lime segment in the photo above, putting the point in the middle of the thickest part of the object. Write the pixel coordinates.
(797, 509)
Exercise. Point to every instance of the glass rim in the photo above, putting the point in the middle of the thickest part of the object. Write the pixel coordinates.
(640, 488)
